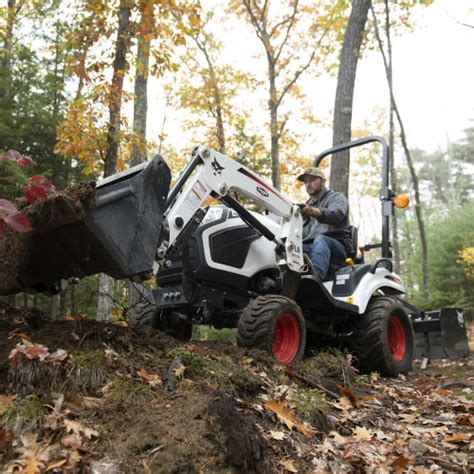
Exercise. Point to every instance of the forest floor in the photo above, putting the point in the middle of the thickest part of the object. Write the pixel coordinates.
(99, 398)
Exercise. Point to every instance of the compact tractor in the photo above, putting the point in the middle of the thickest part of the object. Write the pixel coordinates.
(226, 266)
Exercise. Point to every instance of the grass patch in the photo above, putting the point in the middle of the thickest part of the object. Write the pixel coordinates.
(89, 359)
(23, 414)
(224, 372)
(308, 400)
(208, 333)
(126, 388)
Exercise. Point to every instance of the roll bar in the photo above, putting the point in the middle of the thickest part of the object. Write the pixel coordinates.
(386, 194)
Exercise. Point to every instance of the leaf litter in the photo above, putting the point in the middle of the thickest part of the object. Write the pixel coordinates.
(141, 401)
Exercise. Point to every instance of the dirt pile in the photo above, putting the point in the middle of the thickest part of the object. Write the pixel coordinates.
(107, 398)
(17, 249)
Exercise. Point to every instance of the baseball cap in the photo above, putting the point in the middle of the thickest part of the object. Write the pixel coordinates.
(313, 171)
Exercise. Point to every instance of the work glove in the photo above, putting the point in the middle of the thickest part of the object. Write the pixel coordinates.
(310, 211)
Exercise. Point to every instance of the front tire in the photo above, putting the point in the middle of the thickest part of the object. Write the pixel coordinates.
(174, 324)
(383, 338)
(276, 324)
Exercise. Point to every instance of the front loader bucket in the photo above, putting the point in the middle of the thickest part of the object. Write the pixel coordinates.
(116, 232)
(441, 334)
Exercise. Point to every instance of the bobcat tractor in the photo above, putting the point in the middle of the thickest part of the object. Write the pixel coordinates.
(229, 267)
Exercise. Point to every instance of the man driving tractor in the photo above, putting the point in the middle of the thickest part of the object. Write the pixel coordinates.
(326, 233)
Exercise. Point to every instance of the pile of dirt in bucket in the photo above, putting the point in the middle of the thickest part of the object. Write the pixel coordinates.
(43, 214)
(83, 396)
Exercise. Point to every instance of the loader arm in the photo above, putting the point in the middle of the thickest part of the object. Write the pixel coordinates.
(217, 175)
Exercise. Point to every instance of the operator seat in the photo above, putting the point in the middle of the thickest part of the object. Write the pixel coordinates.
(338, 263)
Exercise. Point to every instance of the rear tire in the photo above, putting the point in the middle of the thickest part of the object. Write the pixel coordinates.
(383, 338)
(276, 324)
(174, 324)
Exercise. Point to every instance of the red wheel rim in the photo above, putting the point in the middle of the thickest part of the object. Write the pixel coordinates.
(396, 336)
(286, 338)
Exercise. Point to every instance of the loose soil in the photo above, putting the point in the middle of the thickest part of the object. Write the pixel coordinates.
(16, 248)
(123, 400)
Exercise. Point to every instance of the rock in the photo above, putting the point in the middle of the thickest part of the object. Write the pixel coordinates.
(417, 447)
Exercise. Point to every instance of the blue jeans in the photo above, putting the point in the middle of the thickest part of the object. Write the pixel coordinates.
(321, 251)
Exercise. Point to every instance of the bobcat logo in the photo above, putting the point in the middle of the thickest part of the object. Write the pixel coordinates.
(217, 167)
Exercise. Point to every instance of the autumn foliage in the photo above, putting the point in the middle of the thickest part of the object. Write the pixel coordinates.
(37, 187)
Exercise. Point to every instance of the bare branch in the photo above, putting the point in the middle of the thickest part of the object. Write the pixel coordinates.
(296, 77)
(288, 29)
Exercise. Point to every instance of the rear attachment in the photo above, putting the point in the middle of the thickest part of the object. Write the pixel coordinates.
(115, 231)
(440, 334)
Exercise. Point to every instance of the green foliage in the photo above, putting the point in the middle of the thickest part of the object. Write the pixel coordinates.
(24, 411)
(449, 280)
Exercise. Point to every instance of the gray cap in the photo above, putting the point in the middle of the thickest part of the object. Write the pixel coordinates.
(313, 171)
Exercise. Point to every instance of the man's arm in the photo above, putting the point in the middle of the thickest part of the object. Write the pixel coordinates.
(333, 214)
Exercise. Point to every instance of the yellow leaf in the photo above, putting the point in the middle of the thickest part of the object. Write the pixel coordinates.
(77, 428)
(288, 464)
(277, 435)
(362, 434)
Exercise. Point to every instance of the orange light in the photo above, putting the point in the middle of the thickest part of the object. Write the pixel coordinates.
(401, 201)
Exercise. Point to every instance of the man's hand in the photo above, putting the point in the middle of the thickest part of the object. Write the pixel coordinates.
(310, 211)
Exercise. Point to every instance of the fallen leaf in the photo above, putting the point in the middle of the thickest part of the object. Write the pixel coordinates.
(343, 404)
(349, 393)
(400, 463)
(152, 379)
(288, 464)
(458, 438)
(31, 351)
(286, 416)
(111, 355)
(465, 419)
(57, 356)
(406, 418)
(362, 434)
(338, 439)
(277, 435)
(441, 391)
(6, 401)
(76, 427)
(179, 370)
(32, 466)
(75, 441)
(6, 437)
(374, 377)
(21, 335)
(56, 464)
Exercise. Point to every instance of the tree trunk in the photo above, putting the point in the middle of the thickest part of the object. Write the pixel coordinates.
(104, 303)
(273, 105)
(115, 101)
(340, 162)
(63, 304)
(140, 109)
(140, 105)
(414, 177)
(12, 13)
(104, 300)
(53, 307)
